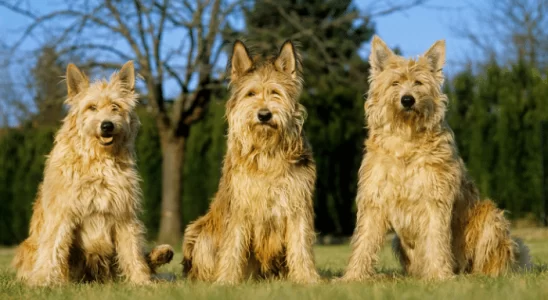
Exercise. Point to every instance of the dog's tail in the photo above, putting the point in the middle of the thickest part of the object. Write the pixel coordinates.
(490, 248)
(158, 256)
(522, 258)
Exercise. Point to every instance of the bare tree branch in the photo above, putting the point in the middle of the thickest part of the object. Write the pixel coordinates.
(511, 29)
(383, 8)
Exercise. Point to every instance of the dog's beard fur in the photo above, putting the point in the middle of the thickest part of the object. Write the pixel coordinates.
(125, 121)
(393, 77)
(385, 111)
(278, 134)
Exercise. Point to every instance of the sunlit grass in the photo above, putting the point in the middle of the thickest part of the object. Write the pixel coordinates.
(331, 261)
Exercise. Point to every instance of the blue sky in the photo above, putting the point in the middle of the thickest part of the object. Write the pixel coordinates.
(416, 29)
(413, 31)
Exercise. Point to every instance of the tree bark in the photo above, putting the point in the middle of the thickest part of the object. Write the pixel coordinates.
(173, 150)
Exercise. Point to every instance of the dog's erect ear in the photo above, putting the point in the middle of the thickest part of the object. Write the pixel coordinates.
(76, 80)
(436, 55)
(287, 59)
(127, 76)
(380, 53)
(240, 61)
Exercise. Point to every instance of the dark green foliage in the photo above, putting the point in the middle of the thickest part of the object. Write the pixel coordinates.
(335, 128)
(496, 115)
(149, 162)
(22, 157)
(204, 155)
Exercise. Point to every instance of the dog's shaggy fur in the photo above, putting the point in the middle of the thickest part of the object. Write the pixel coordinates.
(260, 222)
(413, 181)
(84, 224)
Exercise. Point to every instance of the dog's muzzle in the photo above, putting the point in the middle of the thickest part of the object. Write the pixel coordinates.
(264, 115)
(407, 101)
(107, 133)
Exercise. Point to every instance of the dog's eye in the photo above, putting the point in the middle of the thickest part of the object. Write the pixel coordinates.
(418, 82)
(395, 83)
(115, 107)
(92, 107)
(275, 93)
(250, 94)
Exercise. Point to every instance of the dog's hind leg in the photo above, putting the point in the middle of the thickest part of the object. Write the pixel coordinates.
(24, 259)
(53, 253)
(488, 242)
(25, 254)
(199, 251)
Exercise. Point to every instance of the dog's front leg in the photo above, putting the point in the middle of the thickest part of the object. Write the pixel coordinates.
(52, 260)
(434, 258)
(232, 253)
(300, 240)
(367, 240)
(129, 250)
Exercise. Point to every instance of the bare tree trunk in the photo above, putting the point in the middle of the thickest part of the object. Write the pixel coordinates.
(173, 150)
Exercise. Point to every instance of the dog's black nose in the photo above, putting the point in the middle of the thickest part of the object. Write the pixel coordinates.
(407, 101)
(107, 126)
(264, 115)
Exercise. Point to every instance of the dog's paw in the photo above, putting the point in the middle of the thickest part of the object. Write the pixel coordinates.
(224, 280)
(140, 279)
(347, 278)
(161, 255)
(312, 278)
(439, 276)
(40, 278)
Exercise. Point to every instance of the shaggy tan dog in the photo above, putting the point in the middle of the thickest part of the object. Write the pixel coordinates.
(413, 181)
(261, 219)
(84, 224)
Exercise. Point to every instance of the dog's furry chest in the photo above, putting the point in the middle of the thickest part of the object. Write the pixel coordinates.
(263, 197)
(411, 188)
(105, 190)
(395, 181)
(94, 235)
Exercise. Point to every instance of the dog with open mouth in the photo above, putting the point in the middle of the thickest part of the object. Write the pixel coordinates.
(85, 224)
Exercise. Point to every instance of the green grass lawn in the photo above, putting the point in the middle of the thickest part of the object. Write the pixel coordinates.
(331, 261)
